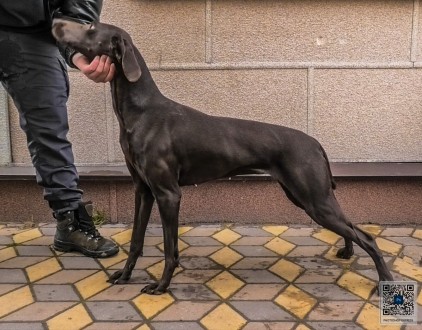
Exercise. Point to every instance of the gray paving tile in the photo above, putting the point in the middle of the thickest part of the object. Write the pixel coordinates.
(336, 311)
(5, 240)
(300, 231)
(397, 231)
(254, 263)
(199, 251)
(176, 326)
(202, 231)
(269, 326)
(21, 262)
(261, 311)
(12, 276)
(34, 251)
(309, 251)
(319, 276)
(313, 262)
(327, 291)
(149, 251)
(54, 293)
(406, 240)
(195, 276)
(259, 291)
(414, 252)
(251, 231)
(121, 292)
(79, 263)
(113, 311)
(301, 241)
(21, 326)
(334, 325)
(200, 241)
(257, 276)
(193, 292)
(186, 311)
(254, 251)
(114, 326)
(198, 263)
(251, 241)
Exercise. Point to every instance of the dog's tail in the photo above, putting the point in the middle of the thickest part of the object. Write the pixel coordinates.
(333, 183)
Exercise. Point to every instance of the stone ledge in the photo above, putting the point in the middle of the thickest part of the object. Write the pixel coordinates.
(120, 172)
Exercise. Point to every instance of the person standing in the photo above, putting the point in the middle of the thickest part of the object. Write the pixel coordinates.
(33, 71)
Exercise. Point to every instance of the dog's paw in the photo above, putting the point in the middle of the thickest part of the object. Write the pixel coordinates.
(118, 278)
(153, 289)
(344, 253)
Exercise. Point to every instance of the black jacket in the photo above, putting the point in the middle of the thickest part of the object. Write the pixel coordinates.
(28, 16)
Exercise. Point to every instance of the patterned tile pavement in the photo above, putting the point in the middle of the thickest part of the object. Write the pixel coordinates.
(231, 277)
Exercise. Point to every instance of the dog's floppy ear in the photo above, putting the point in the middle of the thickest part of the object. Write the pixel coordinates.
(126, 56)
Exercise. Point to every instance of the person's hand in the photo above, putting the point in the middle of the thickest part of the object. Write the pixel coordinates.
(101, 69)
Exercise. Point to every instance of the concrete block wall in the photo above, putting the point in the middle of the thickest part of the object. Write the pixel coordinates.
(346, 72)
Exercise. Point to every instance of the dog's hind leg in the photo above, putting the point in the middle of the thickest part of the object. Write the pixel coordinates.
(329, 215)
(143, 206)
(345, 252)
(310, 187)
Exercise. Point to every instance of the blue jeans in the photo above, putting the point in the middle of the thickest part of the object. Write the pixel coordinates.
(35, 75)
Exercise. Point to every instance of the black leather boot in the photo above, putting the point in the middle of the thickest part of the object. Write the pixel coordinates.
(76, 232)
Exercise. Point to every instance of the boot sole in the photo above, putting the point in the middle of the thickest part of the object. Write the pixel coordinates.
(69, 247)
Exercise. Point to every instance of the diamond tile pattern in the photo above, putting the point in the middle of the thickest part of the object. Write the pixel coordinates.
(230, 277)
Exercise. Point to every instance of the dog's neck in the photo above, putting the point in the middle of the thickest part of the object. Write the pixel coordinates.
(133, 96)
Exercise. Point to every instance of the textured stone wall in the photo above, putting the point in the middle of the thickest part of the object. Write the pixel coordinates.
(346, 72)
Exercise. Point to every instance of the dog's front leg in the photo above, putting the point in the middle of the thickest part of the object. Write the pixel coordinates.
(143, 206)
(168, 205)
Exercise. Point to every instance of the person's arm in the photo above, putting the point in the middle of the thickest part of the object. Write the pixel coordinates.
(84, 11)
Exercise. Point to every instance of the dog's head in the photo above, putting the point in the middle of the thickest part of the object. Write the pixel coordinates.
(99, 39)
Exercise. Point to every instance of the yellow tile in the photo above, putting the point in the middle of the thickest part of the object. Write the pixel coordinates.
(107, 262)
(183, 230)
(223, 317)
(418, 233)
(369, 318)
(327, 236)
(286, 269)
(7, 253)
(296, 301)
(388, 246)
(15, 300)
(93, 284)
(151, 305)
(302, 327)
(280, 246)
(408, 269)
(73, 319)
(43, 269)
(157, 269)
(27, 235)
(372, 229)
(331, 255)
(226, 257)
(275, 230)
(143, 327)
(226, 236)
(123, 237)
(225, 284)
(357, 284)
